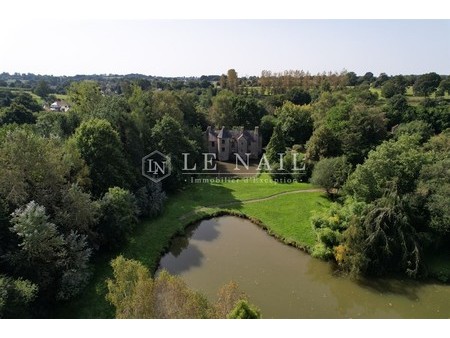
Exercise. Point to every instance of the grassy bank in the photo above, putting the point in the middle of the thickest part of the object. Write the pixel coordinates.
(284, 209)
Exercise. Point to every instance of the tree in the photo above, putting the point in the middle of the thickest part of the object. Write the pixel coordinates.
(298, 96)
(40, 243)
(232, 80)
(42, 89)
(246, 112)
(352, 79)
(227, 298)
(331, 173)
(364, 129)
(78, 212)
(296, 123)
(276, 145)
(26, 100)
(398, 110)
(15, 297)
(85, 95)
(118, 217)
(426, 84)
(385, 240)
(266, 128)
(33, 168)
(163, 135)
(166, 103)
(394, 86)
(221, 111)
(75, 266)
(323, 143)
(444, 86)
(368, 77)
(244, 310)
(381, 79)
(415, 127)
(393, 163)
(150, 199)
(17, 113)
(130, 289)
(100, 147)
(434, 182)
(136, 295)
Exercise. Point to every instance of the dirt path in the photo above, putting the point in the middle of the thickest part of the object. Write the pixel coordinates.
(252, 200)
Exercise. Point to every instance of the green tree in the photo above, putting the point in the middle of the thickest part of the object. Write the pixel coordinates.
(394, 86)
(426, 84)
(163, 135)
(296, 123)
(136, 295)
(415, 127)
(42, 89)
(221, 111)
(266, 127)
(36, 168)
(398, 110)
(276, 145)
(352, 79)
(331, 173)
(78, 212)
(393, 163)
(323, 143)
(150, 199)
(232, 80)
(434, 182)
(40, 244)
(244, 310)
(386, 240)
(118, 217)
(75, 266)
(246, 112)
(298, 96)
(26, 100)
(15, 297)
(85, 96)
(100, 147)
(17, 113)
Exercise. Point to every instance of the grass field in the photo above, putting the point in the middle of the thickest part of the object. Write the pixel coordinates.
(286, 216)
(412, 100)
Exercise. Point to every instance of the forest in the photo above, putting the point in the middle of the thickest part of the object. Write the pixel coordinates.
(71, 189)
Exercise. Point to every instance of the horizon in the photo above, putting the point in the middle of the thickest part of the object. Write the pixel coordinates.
(192, 48)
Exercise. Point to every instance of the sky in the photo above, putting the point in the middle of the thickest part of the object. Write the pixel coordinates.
(203, 47)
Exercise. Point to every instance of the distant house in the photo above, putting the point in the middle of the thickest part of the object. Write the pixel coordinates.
(59, 105)
(224, 143)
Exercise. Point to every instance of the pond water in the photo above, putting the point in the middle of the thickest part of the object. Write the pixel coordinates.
(285, 282)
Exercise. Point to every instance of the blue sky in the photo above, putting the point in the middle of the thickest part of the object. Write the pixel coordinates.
(194, 48)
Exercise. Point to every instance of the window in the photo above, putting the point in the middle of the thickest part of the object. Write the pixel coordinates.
(212, 144)
(223, 141)
(223, 149)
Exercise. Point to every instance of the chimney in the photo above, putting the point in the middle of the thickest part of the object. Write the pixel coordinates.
(241, 130)
(208, 130)
(256, 131)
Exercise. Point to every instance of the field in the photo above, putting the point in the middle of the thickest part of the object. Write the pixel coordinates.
(284, 209)
(412, 100)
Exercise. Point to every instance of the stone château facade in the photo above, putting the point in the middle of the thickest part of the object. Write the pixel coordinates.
(226, 142)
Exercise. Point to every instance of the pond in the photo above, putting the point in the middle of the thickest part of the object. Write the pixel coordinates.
(285, 282)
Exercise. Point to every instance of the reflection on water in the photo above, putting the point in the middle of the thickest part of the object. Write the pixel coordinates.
(287, 283)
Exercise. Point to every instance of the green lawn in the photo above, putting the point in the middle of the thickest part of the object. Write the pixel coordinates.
(285, 216)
